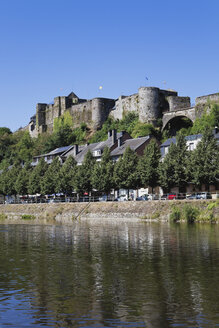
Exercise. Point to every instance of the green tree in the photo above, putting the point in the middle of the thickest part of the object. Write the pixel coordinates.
(49, 183)
(36, 177)
(84, 173)
(67, 175)
(5, 143)
(166, 169)
(125, 171)
(148, 167)
(21, 184)
(173, 169)
(102, 176)
(204, 161)
(9, 179)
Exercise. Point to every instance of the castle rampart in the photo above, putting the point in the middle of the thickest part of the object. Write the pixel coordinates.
(204, 99)
(93, 112)
(149, 103)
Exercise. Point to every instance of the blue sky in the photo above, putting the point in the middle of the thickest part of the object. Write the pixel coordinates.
(50, 48)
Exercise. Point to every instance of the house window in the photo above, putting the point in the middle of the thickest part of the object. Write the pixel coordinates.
(191, 146)
(166, 149)
(97, 153)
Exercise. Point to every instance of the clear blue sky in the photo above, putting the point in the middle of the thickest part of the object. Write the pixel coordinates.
(53, 47)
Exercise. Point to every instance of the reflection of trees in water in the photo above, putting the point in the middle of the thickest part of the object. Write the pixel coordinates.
(129, 272)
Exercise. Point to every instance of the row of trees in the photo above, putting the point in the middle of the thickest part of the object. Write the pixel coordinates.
(178, 168)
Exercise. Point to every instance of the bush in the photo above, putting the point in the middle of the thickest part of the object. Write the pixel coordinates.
(175, 215)
(213, 205)
(190, 213)
(3, 216)
(28, 217)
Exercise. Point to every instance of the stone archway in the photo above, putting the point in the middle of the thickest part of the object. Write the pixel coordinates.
(172, 116)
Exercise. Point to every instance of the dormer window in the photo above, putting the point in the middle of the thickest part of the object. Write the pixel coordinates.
(191, 146)
(97, 153)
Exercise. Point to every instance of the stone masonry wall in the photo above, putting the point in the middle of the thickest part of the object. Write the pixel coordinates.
(204, 99)
(68, 212)
(149, 103)
(176, 103)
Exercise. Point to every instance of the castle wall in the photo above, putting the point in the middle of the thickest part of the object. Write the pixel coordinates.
(124, 105)
(204, 99)
(149, 109)
(100, 111)
(177, 103)
(52, 112)
(149, 103)
(81, 112)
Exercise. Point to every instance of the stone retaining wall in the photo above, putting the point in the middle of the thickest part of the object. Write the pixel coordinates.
(68, 212)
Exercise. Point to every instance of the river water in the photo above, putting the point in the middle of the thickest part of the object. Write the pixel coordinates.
(109, 275)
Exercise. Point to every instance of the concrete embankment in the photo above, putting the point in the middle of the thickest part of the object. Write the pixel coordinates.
(68, 212)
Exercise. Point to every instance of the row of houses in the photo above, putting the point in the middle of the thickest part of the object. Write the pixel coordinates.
(117, 142)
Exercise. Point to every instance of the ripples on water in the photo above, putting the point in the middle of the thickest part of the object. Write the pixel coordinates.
(110, 275)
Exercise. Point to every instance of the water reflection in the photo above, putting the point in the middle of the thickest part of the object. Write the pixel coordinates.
(110, 275)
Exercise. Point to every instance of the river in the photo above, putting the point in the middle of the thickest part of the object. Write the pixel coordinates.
(130, 274)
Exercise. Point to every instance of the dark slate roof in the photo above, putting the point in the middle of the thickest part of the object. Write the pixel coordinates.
(60, 150)
(216, 135)
(132, 143)
(188, 138)
(83, 151)
(70, 152)
(168, 142)
(107, 143)
(72, 95)
(57, 151)
(192, 137)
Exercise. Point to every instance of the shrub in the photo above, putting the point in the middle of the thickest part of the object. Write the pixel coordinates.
(27, 217)
(213, 205)
(155, 215)
(190, 213)
(3, 216)
(175, 215)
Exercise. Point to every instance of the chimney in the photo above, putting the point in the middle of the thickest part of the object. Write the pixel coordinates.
(216, 130)
(109, 133)
(87, 144)
(120, 142)
(114, 136)
(75, 150)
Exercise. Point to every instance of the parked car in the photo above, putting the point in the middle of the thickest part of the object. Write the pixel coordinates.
(105, 198)
(121, 198)
(204, 195)
(192, 196)
(171, 196)
(142, 197)
(200, 195)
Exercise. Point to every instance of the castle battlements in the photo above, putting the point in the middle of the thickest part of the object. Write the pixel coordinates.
(150, 103)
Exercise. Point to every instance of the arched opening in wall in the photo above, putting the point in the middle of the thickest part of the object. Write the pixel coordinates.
(177, 123)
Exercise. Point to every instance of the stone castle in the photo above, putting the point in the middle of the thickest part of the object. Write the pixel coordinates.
(150, 103)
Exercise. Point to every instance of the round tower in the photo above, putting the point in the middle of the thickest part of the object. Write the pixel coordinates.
(98, 113)
(149, 109)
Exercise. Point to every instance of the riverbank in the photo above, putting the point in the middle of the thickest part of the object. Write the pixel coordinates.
(206, 210)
